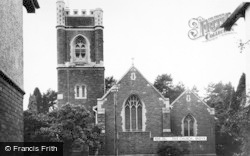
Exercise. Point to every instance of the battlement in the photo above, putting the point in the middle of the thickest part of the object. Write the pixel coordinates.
(78, 17)
(82, 12)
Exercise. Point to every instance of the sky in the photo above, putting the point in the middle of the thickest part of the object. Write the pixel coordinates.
(153, 32)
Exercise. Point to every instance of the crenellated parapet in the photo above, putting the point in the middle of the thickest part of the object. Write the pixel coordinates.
(96, 13)
(65, 15)
(82, 12)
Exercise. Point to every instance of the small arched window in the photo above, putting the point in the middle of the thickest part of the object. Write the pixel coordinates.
(80, 92)
(189, 126)
(133, 114)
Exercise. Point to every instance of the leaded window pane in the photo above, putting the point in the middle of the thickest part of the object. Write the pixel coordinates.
(189, 125)
(80, 47)
(83, 52)
(78, 52)
(127, 118)
(77, 91)
(83, 91)
(133, 117)
(191, 131)
(133, 113)
(185, 128)
(139, 117)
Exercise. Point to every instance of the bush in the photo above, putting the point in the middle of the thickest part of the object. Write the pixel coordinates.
(170, 148)
(70, 124)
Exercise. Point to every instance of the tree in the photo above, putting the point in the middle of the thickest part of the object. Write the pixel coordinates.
(195, 90)
(73, 124)
(33, 122)
(244, 124)
(32, 106)
(220, 97)
(237, 105)
(49, 100)
(109, 82)
(42, 103)
(240, 94)
(164, 84)
(39, 100)
(70, 124)
(226, 144)
(238, 123)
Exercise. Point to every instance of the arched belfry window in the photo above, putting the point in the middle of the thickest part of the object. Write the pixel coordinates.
(79, 50)
(189, 126)
(133, 114)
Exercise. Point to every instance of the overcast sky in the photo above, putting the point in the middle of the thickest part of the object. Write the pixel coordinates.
(153, 32)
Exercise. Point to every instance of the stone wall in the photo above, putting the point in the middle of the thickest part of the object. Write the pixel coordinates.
(11, 111)
(11, 71)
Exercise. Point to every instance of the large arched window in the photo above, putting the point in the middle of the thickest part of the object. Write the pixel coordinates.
(79, 50)
(189, 126)
(133, 114)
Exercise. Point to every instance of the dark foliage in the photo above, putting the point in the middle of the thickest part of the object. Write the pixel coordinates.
(109, 82)
(70, 124)
(164, 84)
(42, 103)
(173, 148)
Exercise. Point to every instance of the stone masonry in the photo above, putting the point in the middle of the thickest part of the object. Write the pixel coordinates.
(11, 111)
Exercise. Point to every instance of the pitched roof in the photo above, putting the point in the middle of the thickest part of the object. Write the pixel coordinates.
(188, 90)
(130, 69)
(238, 13)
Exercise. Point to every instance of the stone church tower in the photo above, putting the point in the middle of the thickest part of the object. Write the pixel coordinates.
(79, 56)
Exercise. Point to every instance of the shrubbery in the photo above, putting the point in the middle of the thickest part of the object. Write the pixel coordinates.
(171, 148)
(70, 124)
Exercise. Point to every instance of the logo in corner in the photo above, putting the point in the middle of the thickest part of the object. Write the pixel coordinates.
(208, 28)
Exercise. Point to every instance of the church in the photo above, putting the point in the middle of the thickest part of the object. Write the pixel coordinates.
(133, 113)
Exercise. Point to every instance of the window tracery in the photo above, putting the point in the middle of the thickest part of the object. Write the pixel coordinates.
(133, 114)
(189, 126)
(80, 50)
